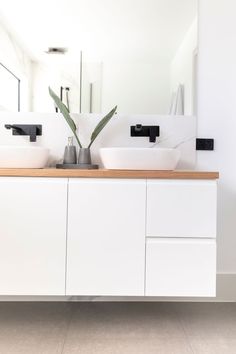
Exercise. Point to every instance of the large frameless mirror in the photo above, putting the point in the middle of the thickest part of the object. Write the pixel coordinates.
(139, 55)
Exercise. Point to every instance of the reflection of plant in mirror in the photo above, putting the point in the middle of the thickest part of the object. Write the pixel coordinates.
(66, 114)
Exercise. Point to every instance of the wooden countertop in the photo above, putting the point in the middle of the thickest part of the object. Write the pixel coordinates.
(53, 172)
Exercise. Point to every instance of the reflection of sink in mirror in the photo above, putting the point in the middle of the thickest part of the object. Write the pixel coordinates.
(140, 158)
(23, 157)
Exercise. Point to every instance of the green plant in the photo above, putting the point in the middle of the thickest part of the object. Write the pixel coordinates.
(66, 114)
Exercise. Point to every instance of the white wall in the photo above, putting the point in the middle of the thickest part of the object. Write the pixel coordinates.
(182, 67)
(217, 114)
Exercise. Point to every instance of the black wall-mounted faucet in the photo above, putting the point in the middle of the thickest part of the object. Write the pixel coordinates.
(26, 129)
(152, 131)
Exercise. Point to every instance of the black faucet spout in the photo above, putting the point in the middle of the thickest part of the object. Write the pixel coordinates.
(33, 133)
(152, 134)
(15, 127)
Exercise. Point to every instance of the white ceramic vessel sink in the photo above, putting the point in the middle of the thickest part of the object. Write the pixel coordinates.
(23, 157)
(140, 158)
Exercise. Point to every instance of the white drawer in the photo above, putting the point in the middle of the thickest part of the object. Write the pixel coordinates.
(180, 267)
(181, 208)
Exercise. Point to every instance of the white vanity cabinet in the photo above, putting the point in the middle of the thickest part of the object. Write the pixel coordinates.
(32, 236)
(181, 238)
(106, 237)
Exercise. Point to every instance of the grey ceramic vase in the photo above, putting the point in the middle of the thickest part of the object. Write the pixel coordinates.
(84, 156)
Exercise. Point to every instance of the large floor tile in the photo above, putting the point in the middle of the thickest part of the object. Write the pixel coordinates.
(209, 346)
(208, 320)
(127, 346)
(33, 328)
(124, 320)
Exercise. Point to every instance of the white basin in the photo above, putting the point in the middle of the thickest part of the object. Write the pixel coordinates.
(140, 158)
(23, 157)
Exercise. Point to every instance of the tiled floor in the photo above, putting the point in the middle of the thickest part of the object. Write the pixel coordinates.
(117, 328)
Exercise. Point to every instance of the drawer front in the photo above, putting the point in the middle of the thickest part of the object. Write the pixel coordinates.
(180, 267)
(181, 209)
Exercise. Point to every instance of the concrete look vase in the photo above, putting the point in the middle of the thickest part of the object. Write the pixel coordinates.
(84, 156)
(84, 159)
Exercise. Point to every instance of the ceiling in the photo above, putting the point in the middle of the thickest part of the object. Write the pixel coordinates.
(155, 26)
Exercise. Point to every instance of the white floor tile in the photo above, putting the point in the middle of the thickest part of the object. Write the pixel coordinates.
(125, 320)
(209, 346)
(33, 328)
(208, 320)
(127, 346)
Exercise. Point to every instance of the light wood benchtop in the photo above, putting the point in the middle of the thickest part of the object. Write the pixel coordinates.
(53, 172)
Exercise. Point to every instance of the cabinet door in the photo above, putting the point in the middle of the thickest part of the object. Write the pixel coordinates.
(180, 267)
(181, 208)
(106, 237)
(32, 236)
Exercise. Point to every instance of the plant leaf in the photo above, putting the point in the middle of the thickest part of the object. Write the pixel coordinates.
(103, 122)
(65, 112)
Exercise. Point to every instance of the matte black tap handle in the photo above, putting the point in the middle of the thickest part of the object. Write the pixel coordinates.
(138, 127)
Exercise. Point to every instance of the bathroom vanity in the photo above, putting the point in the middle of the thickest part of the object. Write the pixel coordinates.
(107, 233)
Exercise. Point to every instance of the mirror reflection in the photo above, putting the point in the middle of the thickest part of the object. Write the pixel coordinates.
(139, 55)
